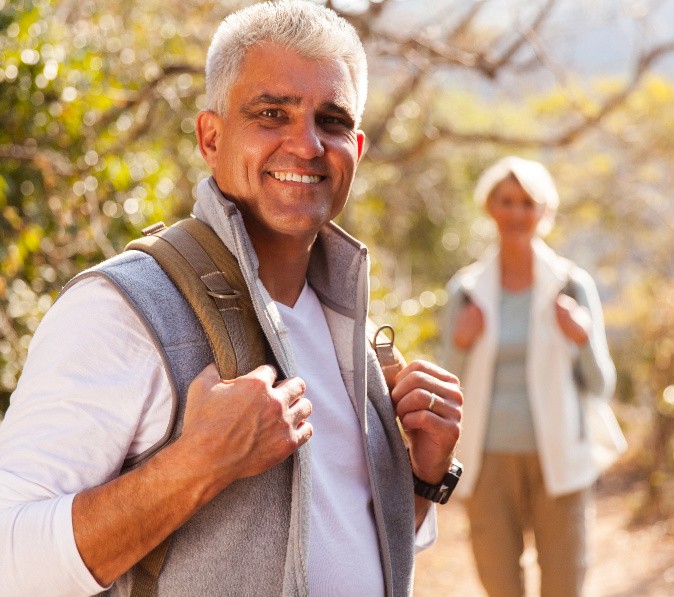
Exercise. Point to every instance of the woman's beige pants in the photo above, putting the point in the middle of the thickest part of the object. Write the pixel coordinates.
(510, 497)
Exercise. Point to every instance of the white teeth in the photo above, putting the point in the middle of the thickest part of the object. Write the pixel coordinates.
(306, 178)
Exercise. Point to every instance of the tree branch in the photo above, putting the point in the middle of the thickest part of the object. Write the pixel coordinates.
(560, 139)
(7, 330)
(445, 53)
(363, 22)
(96, 227)
(491, 67)
(129, 100)
(462, 26)
(555, 68)
(47, 160)
(404, 90)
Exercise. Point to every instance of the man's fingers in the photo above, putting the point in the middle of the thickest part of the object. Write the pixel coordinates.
(267, 373)
(429, 390)
(304, 432)
(301, 408)
(420, 374)
(292, 388)
(444, 405)
(427, 404)
(430, 369)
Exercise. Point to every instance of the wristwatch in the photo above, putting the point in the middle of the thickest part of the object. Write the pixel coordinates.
(439, 493)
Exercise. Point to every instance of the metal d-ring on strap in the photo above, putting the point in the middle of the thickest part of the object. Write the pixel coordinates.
(224, 296)
(389, 362)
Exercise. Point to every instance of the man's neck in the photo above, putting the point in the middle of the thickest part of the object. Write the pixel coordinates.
(283, 269)
(285, 288)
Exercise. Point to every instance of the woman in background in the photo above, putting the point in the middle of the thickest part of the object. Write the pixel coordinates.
(524, 332)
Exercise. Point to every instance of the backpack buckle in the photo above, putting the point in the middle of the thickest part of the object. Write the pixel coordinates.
(231, 294)
(153, 229)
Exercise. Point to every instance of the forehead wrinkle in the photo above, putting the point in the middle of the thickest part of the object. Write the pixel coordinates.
(337, 89)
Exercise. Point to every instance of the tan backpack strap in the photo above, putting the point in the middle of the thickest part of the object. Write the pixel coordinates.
(224, 296)
(390, 359)
(146, 572)
(209, 276)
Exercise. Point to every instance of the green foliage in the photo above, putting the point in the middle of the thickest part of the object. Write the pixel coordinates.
(97, 141)
(98, 102)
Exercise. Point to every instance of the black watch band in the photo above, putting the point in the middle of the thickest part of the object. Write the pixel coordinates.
(439, 493)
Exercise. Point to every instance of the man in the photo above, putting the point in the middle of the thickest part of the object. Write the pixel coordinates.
(254, 507)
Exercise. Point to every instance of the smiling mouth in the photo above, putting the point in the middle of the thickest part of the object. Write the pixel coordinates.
(293, 177)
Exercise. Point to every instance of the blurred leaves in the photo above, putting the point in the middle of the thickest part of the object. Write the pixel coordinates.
(98, 101)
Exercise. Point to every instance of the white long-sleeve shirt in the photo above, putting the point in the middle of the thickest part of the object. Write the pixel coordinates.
(93, 393)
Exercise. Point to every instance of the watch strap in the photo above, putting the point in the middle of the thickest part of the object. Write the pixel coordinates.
(439, 493)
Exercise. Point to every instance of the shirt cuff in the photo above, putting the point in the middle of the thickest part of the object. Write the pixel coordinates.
(79, 568)
(44, 559)
(427, 533)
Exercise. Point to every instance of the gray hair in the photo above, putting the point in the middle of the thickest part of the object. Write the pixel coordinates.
(533, 178)
(311, 30)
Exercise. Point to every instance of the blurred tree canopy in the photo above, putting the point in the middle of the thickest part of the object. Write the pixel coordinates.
(98, 101)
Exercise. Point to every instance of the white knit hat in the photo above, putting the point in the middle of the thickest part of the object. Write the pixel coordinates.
(535, 180)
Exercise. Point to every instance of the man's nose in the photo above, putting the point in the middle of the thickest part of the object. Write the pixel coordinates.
(304, 140)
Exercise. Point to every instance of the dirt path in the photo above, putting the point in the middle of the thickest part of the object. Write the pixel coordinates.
(628, 560)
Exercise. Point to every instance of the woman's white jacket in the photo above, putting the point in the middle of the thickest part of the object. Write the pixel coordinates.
(559, 407)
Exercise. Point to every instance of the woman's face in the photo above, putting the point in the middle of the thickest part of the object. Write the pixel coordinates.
(516, 214)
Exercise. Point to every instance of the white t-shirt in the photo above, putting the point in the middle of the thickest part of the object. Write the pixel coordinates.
(68, 430)
(344, 551)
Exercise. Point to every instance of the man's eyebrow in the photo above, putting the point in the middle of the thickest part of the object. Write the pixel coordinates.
(274, 100)
(332, 107)
(269, 99)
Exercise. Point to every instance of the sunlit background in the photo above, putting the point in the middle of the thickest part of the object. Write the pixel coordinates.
(98, 103)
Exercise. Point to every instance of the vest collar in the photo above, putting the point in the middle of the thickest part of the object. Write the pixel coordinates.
(336, 257)
(482, 278)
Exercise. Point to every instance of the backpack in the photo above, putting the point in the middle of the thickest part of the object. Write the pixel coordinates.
(209, 277)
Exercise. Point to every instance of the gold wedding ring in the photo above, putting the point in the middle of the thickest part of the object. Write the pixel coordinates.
(432, 404)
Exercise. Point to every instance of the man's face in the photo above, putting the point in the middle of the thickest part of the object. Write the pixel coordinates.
(287, 149)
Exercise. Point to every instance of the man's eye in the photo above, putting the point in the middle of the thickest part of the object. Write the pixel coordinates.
(272, 113)
(333, 121)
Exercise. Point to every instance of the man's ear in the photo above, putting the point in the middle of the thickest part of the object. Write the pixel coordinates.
(360, 136)
(209, 132)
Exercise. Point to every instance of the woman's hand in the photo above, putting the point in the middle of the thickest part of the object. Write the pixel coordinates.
(469, 325)
(573, 319)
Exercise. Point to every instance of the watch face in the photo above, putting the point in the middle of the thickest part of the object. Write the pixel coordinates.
(456, 468)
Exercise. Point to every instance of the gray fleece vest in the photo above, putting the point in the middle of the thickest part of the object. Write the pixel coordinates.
(252, 539)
